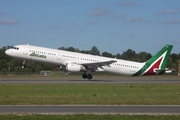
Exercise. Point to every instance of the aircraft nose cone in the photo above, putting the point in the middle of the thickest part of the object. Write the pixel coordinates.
(7, 52)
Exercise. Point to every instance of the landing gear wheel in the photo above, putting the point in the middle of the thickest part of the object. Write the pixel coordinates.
(89, 76)
(84, 76)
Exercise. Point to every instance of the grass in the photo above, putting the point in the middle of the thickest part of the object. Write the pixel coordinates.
(88, 117)
(97, 94)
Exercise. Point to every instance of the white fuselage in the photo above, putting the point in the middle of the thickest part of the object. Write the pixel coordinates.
(61, 58)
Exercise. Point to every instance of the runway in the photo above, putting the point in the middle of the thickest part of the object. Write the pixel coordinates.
(108, 80)
(92, 109)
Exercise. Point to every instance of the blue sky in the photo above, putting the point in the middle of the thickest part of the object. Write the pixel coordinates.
(110, 25)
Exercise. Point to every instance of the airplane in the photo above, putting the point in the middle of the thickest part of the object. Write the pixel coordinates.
(76, 62)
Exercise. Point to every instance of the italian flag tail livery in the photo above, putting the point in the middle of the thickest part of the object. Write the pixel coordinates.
(156, 65)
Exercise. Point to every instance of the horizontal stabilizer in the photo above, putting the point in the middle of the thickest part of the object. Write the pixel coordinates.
(159, 71)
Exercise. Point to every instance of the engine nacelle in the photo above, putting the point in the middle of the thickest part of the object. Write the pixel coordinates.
(71, 67)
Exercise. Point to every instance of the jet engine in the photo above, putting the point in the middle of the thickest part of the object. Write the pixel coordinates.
(71, 67)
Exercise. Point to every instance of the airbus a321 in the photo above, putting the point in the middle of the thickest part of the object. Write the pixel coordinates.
(75, 62)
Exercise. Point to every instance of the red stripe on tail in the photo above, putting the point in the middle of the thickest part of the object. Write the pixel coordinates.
(151, 70)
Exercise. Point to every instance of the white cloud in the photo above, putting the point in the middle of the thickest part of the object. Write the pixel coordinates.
(93, 23)
(53, 27)
(2, 13)
(176, 42)
(111, 33)
(127, 3)
(8, 22)
(101, 12)
(138, 20)
(168, 12)
(173, 21)
(119, 16)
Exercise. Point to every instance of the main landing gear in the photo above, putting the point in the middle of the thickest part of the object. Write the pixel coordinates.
(88, 76)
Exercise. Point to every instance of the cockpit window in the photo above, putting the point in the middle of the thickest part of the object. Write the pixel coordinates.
(16, 48)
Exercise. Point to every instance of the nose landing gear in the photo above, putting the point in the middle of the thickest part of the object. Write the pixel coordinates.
(23, 64)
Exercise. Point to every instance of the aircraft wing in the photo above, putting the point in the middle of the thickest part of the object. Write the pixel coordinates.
(98, 64)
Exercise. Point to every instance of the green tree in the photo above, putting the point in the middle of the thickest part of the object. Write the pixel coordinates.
(129, 55)
(3, 71)
(106, 54)
(85, 51)
(72, 49)
(118, 56)
(62, 48)
(174, 57)
(77, 50)
(38, 68)
(94, 51)
(143, 56)
(18, 70)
